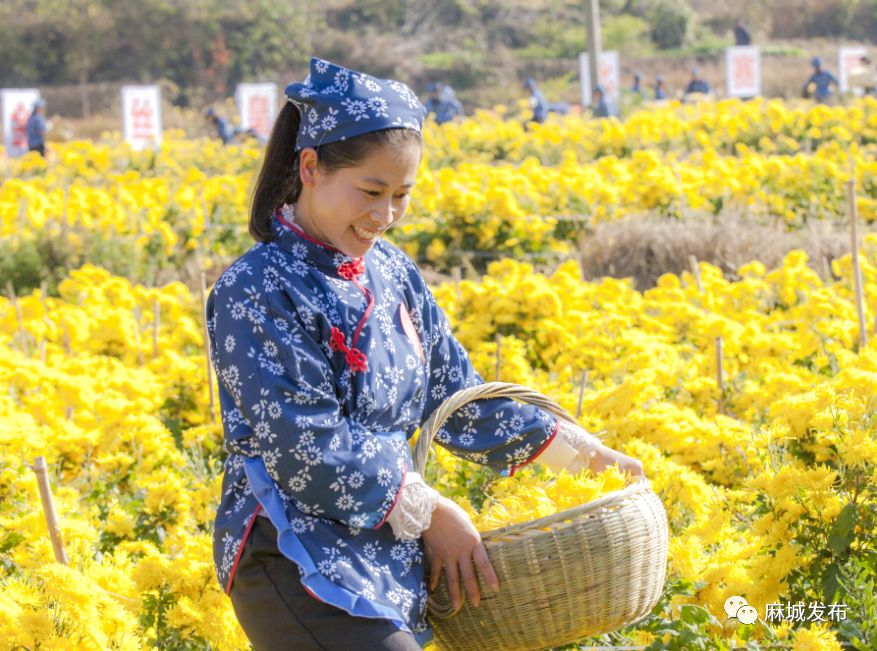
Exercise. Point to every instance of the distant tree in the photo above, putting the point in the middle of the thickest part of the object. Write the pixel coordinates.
(266, 36)
(58, 40)
(670, 21)
(211, 44)
(87, 31)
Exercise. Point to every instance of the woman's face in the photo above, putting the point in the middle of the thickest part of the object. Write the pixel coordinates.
(349, 208)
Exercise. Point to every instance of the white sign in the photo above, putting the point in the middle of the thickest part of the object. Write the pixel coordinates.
(847, 59)
(141, 113)
(610, 77)
(257, 105)
(17, 106)
(743, 71)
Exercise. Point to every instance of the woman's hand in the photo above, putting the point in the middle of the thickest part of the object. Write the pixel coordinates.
(453, 543)
(606, 457)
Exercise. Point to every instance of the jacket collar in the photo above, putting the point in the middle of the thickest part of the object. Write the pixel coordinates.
(325, 257)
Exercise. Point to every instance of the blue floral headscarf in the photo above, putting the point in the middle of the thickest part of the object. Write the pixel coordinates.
(336, 103)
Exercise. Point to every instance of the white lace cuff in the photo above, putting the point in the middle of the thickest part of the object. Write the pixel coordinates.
(571, 450)
(413, 511)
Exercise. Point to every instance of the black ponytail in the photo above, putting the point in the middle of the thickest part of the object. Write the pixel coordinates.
(278, 181)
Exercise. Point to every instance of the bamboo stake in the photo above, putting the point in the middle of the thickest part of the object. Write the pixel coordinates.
(857, 265)
(695, 270)
(720, 375)
(208, 367)
(137, 340)
(156, 324)
(41, 472)
(582, 393)
(498, 354)
(457, 276)
(68, 347)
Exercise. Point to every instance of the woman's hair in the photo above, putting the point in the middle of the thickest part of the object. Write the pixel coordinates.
(279, 181)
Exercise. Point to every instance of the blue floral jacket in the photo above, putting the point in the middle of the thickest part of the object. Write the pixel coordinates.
(327, 365)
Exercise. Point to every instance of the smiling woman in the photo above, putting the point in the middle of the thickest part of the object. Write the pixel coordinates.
(351, 207)
(283, 183)
(331, 352)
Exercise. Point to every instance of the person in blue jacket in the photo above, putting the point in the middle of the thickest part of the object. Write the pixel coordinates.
(442, 102)
(697, 84)
(330, 352)
(660, 91)
(35, 128)
(599, 106)
(819, 84)
(741, 34)
(636, 88)
(537, 101)
(224, 130)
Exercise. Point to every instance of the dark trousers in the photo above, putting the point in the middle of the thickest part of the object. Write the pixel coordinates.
(277, 614)
(41, 149)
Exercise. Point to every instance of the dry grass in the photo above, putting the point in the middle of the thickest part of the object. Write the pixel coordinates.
(645, 248)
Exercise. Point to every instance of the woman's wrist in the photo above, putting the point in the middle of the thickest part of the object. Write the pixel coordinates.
(572, 449)
(413, 511)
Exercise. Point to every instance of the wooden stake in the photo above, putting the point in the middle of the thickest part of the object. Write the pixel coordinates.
(720, 375)
(695, 270)
(41, 471)
(156, 324)
(498, 354)
(581, 393)
(857, 265)
(208, 367)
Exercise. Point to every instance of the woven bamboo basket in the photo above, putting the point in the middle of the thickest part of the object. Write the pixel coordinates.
(585, 571)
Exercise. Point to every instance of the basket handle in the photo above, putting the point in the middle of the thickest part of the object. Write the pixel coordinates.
(478, 392)
(531, 397)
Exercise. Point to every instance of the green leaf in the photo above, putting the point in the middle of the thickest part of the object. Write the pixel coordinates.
(694, 614)
(831, 583)
(10, 541)
(841, 535)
